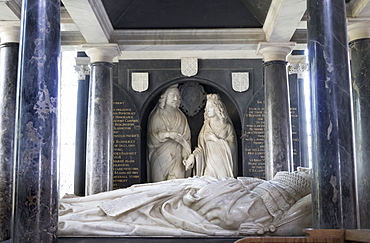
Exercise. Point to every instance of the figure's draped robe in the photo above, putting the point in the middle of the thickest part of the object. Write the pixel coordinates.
(186, 207)
(216, 158)
(166, 155)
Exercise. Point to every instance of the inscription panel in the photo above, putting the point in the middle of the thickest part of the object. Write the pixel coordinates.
(126, 143)
(254, 137)
(294, 112)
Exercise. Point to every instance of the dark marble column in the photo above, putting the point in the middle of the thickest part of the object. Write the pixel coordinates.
(278, 131)
(99, 154)
(8, 82)
(333, 184)
(35, 217)
(299, 66)
(83, 71)
(360, 64)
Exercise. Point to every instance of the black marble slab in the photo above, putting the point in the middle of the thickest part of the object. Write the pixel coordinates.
(254, 137)
(215, 76)
(127, 169)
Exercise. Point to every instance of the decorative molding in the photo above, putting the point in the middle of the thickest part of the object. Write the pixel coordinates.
(240, 53)
(88, 20)
(102, 16)
(240, 81)
(188, 37)
(283, 19)
(189, 66)
(140, 81)
(15, 6)
(358, 6)
(193, 98)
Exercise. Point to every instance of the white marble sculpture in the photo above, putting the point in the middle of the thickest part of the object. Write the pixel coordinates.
(168, 138)
(198, 206)
(216, 154)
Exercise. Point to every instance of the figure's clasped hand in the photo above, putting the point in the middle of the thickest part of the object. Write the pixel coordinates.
(189, 163)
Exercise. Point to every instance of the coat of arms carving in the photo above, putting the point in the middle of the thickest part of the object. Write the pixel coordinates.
(140, 81)
(240, 81)
(189, 66)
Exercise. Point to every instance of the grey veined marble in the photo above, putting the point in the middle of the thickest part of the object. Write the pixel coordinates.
(8, 82)
(198, 206)
(278, 133)
(99, 148)
(36, 170)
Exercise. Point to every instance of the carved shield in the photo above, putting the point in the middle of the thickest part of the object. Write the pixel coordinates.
(240, 81)
(140, 81)
(193, 98)
(189, 66)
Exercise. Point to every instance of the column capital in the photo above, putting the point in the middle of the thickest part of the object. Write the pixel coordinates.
(359, 30)
(298, 64)
(300, 70)
(82, 67)
(275, 51)
(102, 52)
(9, 33)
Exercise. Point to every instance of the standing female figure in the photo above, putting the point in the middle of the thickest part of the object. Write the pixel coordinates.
(216, 154)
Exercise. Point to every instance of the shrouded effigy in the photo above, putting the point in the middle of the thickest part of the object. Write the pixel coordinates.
(198, 206)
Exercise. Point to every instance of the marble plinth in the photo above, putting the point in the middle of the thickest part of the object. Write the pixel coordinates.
(8, 84)
(35, 203)
(278, 142)
(360, 57)
(99, 153)
(334, 188)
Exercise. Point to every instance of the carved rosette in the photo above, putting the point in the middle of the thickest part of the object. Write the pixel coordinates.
(189, 66)
(193, 98)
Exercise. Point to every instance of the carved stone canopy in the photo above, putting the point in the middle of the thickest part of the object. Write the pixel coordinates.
(193, 98)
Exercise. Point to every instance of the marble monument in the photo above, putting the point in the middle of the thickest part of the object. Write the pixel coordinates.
(197, 206)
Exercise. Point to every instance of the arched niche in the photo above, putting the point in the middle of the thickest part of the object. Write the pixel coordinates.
(196, 121)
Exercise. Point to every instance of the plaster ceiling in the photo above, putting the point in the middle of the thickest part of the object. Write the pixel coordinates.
(168, 29)
(190, 14)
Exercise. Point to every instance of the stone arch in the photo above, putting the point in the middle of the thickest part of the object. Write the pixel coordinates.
(195, 122)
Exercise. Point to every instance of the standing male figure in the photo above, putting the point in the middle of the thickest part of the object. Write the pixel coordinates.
(168, 138)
